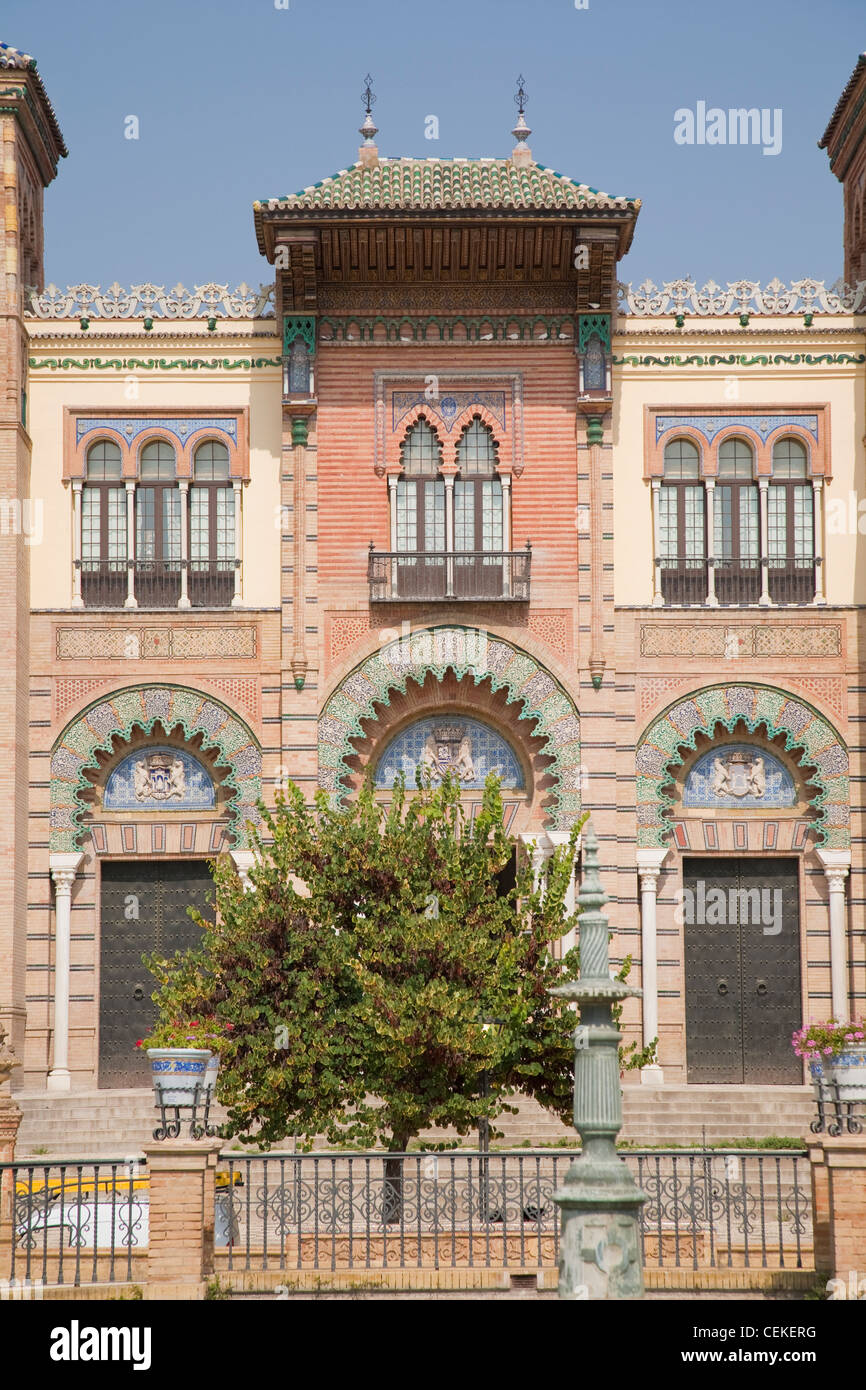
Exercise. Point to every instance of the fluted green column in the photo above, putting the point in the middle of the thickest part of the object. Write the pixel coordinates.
(599, 1199)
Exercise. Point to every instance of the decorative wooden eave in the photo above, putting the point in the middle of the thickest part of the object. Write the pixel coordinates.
(845, 129)
(23, 96)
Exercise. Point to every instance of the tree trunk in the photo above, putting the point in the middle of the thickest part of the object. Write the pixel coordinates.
(392, 1192)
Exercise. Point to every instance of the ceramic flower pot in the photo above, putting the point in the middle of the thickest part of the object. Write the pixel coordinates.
(178, 1070)
(847, 1070)
(211, 1072)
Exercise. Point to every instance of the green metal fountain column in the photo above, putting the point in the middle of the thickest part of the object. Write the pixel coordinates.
(600, 1255)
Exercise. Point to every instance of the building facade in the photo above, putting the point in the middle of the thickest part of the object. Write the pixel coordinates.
(441, 492)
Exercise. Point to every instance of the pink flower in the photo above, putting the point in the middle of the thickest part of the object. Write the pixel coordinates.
(828, 1051)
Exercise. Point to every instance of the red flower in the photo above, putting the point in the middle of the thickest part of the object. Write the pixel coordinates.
(230, 1027)
(140, 1042)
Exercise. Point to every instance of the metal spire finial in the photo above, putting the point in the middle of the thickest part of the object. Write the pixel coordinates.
(521, 131)
(369, 129)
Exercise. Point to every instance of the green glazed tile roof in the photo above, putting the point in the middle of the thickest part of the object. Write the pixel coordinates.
(448, 184)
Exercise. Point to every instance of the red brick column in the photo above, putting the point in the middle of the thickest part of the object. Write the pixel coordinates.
(181, 1221)
(842, 1194)
(10, 1119)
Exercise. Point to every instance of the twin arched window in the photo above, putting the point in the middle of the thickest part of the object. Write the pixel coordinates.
(464, 521)
(160, 517)
(789, 543)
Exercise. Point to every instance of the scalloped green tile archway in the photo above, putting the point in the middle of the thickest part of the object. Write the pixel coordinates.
(467, 652)
(141, 707)
(757, 706)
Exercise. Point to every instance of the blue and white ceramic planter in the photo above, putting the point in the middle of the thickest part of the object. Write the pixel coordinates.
(211, 1073)
(178, 1070)
(848, 1070)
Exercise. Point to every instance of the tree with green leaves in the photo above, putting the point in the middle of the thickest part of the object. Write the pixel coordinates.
(352, 991)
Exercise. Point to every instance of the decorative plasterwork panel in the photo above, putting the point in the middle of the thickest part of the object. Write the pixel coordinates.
(467, 652)
(711, 425)
(708, 426)
(153, 364)
(130, 430)
(509, 436)
(741, 359)
(758, 707)
(156, 643)
(740, 297)
(152, 301)
(143, 707)
(761, 639)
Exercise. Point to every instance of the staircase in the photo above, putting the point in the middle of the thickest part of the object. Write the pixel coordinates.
(116, 1124)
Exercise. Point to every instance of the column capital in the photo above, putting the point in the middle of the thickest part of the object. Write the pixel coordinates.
(649, 861)
(244, 861)
(63, 869)
(835, 862)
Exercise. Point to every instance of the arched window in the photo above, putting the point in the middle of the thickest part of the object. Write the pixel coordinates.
(103, 527)
(157, 527)
(420, 514)
(478, 514)
(299, 369)
(211, 527)
(736, 525)
(790, 525)
(682, 526)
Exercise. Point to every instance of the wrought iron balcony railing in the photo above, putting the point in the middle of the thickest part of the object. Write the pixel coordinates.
(157, 583)
(685, 579)
(416, 576)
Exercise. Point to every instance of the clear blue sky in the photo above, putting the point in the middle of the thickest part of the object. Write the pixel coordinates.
(238, 100)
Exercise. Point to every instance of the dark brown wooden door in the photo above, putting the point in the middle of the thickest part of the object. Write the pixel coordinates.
(741, 934)
(144, 910)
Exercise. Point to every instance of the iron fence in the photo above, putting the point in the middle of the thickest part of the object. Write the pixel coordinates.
(705, 1209)
(74, 1222)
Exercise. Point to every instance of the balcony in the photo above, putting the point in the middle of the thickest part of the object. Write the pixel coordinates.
(685, 580)
(157, 583)
(449, 575)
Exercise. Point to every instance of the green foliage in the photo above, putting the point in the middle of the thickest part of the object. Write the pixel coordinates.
(351, 987)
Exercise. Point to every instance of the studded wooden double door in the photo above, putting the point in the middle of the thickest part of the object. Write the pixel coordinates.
(144, 910)
(741, 933)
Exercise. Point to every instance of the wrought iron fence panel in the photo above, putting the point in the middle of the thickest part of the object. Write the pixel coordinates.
(74, 1222)
(704, 1209)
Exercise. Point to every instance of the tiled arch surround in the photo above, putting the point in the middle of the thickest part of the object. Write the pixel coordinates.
(116, 716)
(758, 707)
(533, 702)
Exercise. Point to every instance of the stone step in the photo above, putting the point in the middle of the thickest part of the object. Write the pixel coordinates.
(114, 1124)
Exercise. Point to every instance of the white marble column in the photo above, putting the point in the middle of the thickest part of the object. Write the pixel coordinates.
(131, 600)
(836, 864)
(244, 860)
(649, 863)
(505, 480)
(237, 597)
(77, 600)
(710, 494)
(448, 480)
(183, 489)
(764, 540)
(820, 565)
(658, 597)
(63, 869)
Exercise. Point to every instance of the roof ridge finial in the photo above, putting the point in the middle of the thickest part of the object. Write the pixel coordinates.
(521, 154)
(368, 154)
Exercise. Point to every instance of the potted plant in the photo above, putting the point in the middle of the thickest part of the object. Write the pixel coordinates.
(184, 1055)
(836, 1053)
